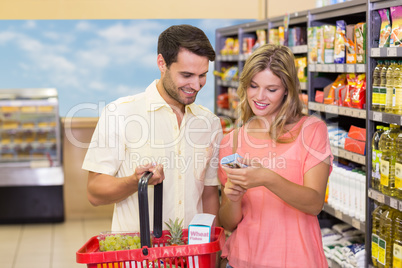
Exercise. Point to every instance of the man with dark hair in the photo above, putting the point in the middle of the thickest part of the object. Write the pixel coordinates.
(163, 131)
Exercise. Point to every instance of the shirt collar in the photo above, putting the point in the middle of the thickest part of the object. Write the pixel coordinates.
(155, 101)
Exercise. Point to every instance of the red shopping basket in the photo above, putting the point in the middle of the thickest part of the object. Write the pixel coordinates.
(160, 255)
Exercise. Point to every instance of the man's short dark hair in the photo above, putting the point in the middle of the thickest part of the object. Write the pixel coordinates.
(184, 36)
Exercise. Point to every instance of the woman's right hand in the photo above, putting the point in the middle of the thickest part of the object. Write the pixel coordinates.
(234, 192)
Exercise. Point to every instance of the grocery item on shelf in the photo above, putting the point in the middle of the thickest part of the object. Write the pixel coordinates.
(383, 86)
(397, 102)
(358, 93)
(312, 45)
(329, 32)
(261, 39)
(223, 101)
(356, 140)
(375, 231)
(273, 36)
(398, 166)
(375, 99)
(385, 31)
(248, 43)
(228, 74)
(397, 235)
(386, 238)
(390, 87)
(301, 66)
(396, 33)
(339, 42)
(231, 47)
(376, 156)
(387, 167)
(360, 42)
(331, 97)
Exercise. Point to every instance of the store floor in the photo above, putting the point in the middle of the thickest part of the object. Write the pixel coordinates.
(47, 245)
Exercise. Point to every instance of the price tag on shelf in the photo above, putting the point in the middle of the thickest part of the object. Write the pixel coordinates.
(360, 68)
(375, 52)
(311, 67)
(331, 68)
(325, 68)
(380, 198)
(393, 203)
(400, 206)
(332, 109)
(318, 67)
(338, 214)
(350, 68)
(370, 194)
(391, 52)
(340, 68)
(356, 223)
(377, 116)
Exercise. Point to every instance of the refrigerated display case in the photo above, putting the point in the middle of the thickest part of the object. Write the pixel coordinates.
(31, 180)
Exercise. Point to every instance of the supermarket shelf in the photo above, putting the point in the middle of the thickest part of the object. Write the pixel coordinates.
(299, 49)
(234, 84)
(386, 52)
(345, 218)
(337, 68)
(225, 112)
(338, 110)
(379, 4)
(385, 117)
(357, 158)
(233, 58)
(384, 199)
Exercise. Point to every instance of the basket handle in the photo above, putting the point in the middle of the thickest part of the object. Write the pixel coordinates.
(144, 209)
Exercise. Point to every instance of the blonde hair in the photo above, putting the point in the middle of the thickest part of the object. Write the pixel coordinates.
(281, 62)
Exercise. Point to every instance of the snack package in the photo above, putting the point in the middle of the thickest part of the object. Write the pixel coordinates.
(281, 35)
(350, 52)
(385, 31)
(273, 37)
(350, 44)
(351, 86)
(331, 92)
(312, 45)
(291, 37)
(231, 161)
(340, 53)
(396, 34)
(329, 36)
(358, 96)
(261, 39)
(320, 45)
(360, 42)
(301, 67)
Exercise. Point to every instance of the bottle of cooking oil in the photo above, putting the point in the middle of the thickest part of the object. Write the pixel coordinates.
(397, 248)
(375, 172)
(386, 240)
(390, 87)
(375, 100)
(375, 231)
(388, 158)
(397, 109)
(383, 85)
(398, 166)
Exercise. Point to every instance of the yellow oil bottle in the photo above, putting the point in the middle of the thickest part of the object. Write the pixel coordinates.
(397, 109)
(388, 158)
(383, 85)
(386, 240)
(390, 87)
(398, 166)
(376, 156)
(375, 231)
(397, 248)
(375, 99)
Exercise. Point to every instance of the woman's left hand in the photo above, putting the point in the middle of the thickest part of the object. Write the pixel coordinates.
(248, 177)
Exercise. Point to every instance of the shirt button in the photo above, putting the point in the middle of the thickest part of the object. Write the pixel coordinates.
(179, 152)
(180, 202)
(175, 127)
(179, 177)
